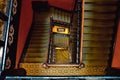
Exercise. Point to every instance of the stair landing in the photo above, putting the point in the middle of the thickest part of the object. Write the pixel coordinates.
(37, 69)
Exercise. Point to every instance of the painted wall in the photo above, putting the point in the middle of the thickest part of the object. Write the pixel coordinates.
(24, 26)
(64, 4)
(116, 56)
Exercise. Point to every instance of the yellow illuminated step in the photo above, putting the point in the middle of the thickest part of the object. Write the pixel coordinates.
(60, 29)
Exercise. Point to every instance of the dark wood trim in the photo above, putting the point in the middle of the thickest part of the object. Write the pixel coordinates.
(2, 43)
(3, 16)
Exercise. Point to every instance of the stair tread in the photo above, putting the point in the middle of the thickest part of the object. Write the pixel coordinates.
(38, 45)
(40, 34)
(38, 42)
(35, 59)
(34, 54)
(40, 37)
(41, 27)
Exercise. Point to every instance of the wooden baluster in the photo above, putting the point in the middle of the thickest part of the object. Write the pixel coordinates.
(78, 32)
(50, 42)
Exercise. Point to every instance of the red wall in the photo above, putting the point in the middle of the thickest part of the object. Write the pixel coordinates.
(26, 16)
(116, 56)
(64, 4)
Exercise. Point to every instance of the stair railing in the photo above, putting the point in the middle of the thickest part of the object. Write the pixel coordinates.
(79, 43)
(6, 18)
(49, 56)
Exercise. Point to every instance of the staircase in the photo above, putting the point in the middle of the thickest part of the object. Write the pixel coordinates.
(38, 46)
(37, 50)
(97, 44)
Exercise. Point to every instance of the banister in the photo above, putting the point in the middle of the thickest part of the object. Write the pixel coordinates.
(50, 42)
(8, 13)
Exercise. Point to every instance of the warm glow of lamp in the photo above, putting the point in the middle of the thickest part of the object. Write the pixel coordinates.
(60, 29)
(59, 48)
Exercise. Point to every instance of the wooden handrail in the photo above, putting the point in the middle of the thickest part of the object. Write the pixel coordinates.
(82, 28)
(50, 43)
(7, 33)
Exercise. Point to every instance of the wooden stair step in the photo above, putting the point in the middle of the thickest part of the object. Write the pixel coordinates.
(40, 34)
(99, 16)
(97, 37)
(99, 8)
(96, 50)
(44, 39)
(41, 31)
(41, 28)
(35, 60)
(98, 30)
(98, 23)
(31, 50)
(39, 51)
(43, 21)
(34, 55)
(91, 68)
(38, 27)
(39, 46)
(96, 43)
(37, 41)
(95, 57)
